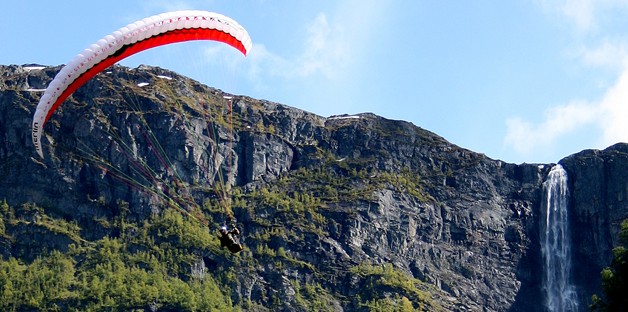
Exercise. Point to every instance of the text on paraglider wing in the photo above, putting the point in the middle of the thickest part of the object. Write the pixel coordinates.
(35, 138)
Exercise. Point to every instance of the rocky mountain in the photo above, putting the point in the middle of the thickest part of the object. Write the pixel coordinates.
(344, 213)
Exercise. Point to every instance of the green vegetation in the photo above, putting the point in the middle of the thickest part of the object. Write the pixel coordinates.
(50, 263)
(615, 278)
(312, 297)
(376, 281)
(346, 179)
(147, 265)
(139, 266)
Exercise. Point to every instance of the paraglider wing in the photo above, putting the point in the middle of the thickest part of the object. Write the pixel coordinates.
(150, 32)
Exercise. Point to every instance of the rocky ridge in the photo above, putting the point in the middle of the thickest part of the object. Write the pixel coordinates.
(339, 198)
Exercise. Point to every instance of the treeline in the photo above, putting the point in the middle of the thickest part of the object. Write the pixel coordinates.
(171, 262)
(615, 278)
(146, 267)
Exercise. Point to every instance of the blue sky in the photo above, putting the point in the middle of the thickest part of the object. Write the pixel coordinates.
(521, 80)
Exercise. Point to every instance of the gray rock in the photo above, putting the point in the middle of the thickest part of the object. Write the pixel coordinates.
(465, 225)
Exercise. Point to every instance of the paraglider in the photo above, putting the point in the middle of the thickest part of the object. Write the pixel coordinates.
(228, 238)
(154, 31)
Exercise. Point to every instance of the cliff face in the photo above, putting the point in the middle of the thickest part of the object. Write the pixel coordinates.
(340, 201)
(599, 186)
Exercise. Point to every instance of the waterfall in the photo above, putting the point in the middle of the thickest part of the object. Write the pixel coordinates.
(556, 245)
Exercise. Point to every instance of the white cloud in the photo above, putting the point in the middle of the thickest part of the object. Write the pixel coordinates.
(614, 108)
(325, 49)
(526, 137)
(263, 63)
(609, 54)
(581, 12)
(585, 15)
(609, 113)
(325, 52)
(331, 43)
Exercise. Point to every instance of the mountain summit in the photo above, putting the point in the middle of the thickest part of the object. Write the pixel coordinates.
(340, 213)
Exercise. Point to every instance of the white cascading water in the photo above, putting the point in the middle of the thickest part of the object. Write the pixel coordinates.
(555, 244)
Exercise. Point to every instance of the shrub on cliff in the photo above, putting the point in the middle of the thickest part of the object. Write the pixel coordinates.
(615, 278)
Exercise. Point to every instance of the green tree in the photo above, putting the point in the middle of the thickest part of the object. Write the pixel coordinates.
(615, 278)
